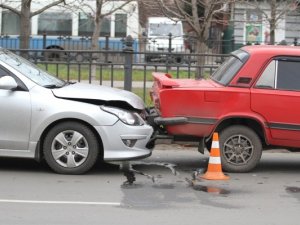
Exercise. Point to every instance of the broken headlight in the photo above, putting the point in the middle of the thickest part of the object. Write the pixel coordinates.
(127, 117)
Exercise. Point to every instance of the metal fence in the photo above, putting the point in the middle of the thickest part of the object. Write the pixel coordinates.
(214, 45)
(126, 69)
(186, 44)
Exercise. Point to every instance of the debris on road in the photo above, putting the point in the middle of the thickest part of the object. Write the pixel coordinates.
(129, 172)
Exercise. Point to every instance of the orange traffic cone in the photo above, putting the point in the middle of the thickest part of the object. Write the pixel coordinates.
(214, 170)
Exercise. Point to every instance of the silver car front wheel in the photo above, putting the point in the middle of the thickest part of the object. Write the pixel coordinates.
(70, 148)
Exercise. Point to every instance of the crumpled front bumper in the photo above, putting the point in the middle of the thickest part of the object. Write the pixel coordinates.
(125, 142)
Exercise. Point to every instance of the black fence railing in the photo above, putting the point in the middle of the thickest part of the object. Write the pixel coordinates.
(126, 68)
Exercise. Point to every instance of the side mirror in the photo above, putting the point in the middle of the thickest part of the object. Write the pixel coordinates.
(8, 83)
(144, 34)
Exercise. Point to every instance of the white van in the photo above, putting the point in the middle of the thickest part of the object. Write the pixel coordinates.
(159, 31)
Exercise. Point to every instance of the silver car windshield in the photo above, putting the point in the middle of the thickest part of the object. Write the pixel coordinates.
(30, 70)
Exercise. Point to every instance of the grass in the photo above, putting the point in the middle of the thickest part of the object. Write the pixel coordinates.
(74, 72)
(144, 95)
(82, 72)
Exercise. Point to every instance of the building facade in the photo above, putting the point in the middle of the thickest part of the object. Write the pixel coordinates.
(250, 25)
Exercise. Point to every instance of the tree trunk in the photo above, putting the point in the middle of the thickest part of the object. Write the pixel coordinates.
(25, 15)
(273, 22)
(200, 49)
(95, 38)
(272, 33)
(25, 24)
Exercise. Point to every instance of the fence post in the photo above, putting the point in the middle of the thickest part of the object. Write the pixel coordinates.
(128, 53)
(44, 40)
(232, 43)
(295, 41)
(106, 48)
(170, 43)
(169, 54)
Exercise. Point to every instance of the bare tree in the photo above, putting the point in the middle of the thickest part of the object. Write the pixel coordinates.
(98, 14)
(25, 15)
(199, 15)
(273, 12)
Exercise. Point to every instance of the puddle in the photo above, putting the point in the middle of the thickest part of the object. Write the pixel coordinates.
(164, 186)
(207, 189)
(293, 189)
(211, 190)
(160, 195)
(294, 192)
(130, 172)
(131, 186)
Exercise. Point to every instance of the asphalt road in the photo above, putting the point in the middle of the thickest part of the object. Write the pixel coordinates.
(32, 194)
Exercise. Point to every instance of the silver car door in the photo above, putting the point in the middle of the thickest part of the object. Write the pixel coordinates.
(15, 116)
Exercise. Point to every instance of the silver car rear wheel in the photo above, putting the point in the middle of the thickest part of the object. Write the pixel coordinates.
(70, 148)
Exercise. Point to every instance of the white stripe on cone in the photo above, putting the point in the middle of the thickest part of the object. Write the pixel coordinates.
(214, 160)
(215, 144)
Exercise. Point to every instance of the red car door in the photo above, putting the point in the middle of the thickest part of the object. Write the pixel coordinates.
(276, 97)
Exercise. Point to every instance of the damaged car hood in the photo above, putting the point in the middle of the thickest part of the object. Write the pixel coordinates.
(79, 91)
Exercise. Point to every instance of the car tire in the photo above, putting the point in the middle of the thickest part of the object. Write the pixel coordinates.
(56, 55)
(71, 148)
(241, 149)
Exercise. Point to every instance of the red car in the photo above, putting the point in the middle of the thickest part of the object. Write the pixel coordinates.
(252, 100)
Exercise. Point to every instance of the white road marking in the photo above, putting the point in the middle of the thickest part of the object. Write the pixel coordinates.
(60, 202)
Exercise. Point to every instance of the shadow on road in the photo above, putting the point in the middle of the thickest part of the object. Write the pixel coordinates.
(279, 162)
(270, 162)
(30, 165)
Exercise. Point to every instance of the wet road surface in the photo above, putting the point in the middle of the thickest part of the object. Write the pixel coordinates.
(32, 194)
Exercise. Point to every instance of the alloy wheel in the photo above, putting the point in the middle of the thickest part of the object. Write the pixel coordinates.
(238, 149)
(70, 149)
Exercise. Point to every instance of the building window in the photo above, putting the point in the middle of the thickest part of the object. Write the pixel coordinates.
(254, 16)
(86, 25)
(10, 23)
(120, 25)
(105, 27)
(55, 24)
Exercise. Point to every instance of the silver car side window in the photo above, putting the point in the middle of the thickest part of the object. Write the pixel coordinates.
(3, 73)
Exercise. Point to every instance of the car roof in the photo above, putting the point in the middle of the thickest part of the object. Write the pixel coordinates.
(275, 50)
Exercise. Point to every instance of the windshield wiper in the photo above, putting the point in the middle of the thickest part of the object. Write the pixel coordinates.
(70, 82)
(66, 83)
(51, 86)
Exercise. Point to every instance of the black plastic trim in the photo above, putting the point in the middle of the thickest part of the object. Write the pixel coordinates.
(283, 126)
(184, 120)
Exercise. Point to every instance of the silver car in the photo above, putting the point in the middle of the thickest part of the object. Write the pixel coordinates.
(71, 125)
